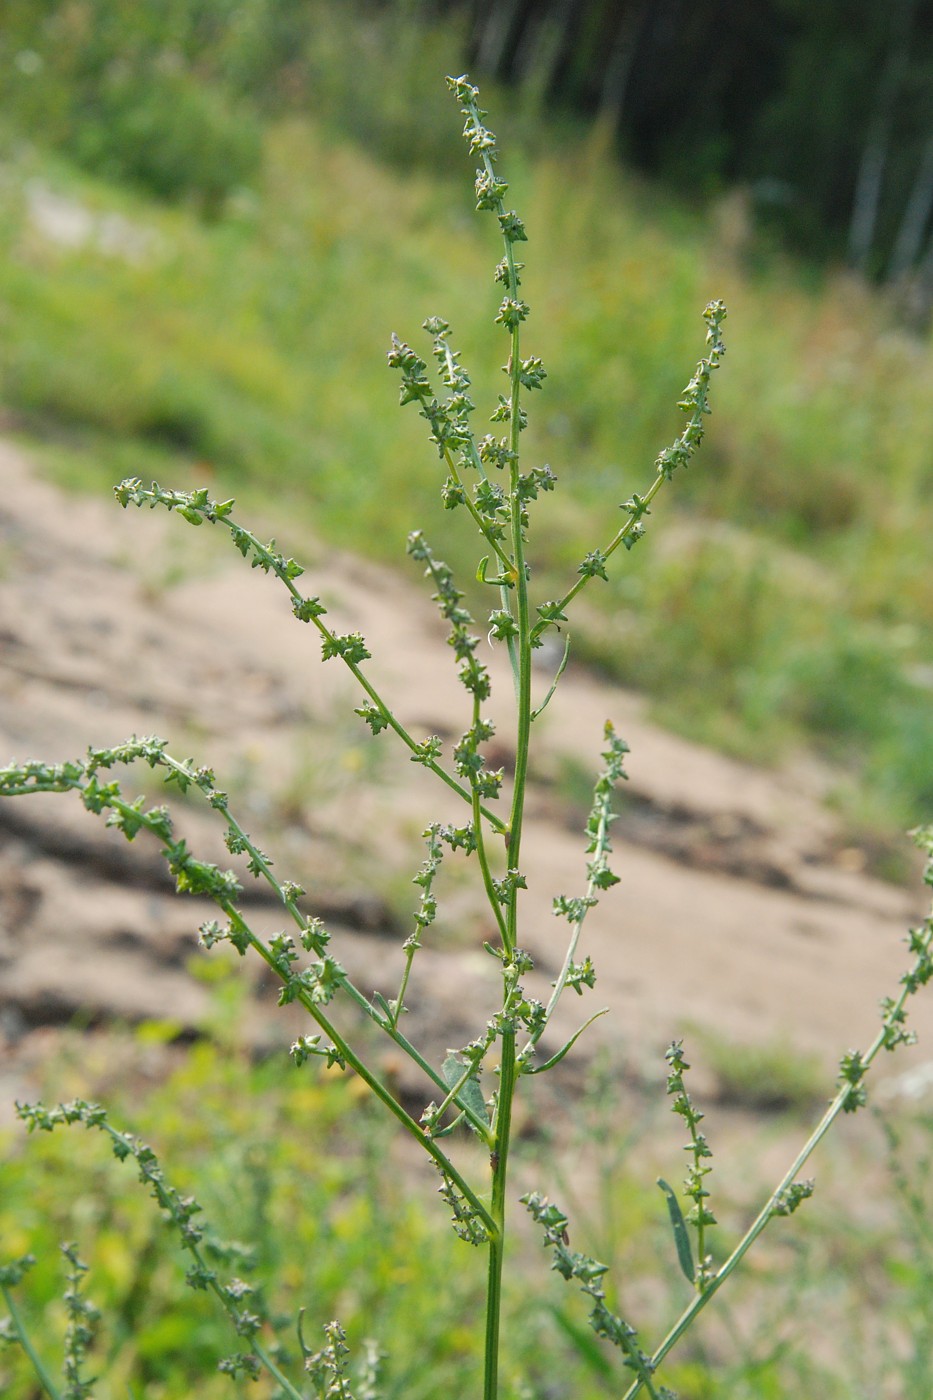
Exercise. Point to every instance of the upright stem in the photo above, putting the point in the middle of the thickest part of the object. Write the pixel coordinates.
(523, 685)
(507, 1064)
(500, 1162)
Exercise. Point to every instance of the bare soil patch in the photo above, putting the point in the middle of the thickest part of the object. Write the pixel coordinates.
(738, 911)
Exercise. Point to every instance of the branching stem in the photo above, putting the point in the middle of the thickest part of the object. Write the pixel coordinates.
(840, 1104)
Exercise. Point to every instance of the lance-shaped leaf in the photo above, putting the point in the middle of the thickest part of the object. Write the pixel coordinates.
(681, 1234)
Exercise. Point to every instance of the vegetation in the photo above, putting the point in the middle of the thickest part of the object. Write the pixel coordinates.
(475, 1090)
(153, 342)
(821, 112)
(340, 1230)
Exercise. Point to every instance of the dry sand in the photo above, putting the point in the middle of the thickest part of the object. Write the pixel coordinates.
(737, 911)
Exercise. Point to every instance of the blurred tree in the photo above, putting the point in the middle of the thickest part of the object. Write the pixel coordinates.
(823, 110)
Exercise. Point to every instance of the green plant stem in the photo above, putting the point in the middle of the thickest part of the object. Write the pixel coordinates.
(74, 784)
(554, 683)
(275, 1373)
(523, 728)
(507, 578)
(482, 854)
(507, 1063)
(600, 850)
(523, 678)
(395, 725)
(500, 1163)
(610, 549)
(486, 871)
(167, 1200)
(478, 520)
(371, 1080)
(140, 496)
(766, 1214)
(22, 1336)
(412, 744)
(520, 657)
(354, 993)
(561, 981)
(689, 439)
(392, 1024)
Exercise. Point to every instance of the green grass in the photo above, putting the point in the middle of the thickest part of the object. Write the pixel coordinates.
(329, 1227)
(351, 1231)
(788, 601)
(768, 1078)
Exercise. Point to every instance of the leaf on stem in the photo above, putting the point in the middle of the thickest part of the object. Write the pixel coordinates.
(681, 1234)
(469, 1095)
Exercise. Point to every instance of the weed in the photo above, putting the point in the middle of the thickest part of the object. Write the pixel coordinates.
(241, 343)
(474, 1090)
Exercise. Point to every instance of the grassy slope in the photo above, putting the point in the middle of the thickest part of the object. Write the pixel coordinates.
(784, 594)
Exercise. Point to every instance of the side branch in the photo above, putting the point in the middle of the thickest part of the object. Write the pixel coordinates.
(196, 507)
(695, 402)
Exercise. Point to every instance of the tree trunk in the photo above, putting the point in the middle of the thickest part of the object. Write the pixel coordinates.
(543, 45)
(619, 64)
(870, 178)
(494, 31)
(915, 219)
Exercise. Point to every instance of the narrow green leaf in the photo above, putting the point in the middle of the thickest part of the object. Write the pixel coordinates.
(681, 1234)
(559, 1055)
(560, 671)
(380, 1002)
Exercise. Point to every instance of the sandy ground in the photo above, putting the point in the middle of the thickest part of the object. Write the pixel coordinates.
(738, 911)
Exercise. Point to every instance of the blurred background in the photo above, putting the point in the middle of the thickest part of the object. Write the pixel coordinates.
(213, 213)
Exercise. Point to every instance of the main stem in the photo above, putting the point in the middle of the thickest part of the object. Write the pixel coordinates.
(508, 1060)
(500, 1159)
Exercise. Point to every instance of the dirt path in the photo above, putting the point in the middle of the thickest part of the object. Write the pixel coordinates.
(736, 911)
